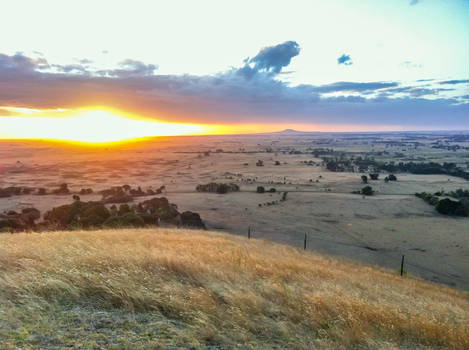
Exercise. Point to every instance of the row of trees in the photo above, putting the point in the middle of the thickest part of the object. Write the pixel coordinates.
(364, 164)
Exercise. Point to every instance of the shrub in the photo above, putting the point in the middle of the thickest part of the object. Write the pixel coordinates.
(123, 209)
(63, 189)
(449, 207)
(260, 189)
(218, 187)
(222, 188)
(127, 220)
(367, 191)
(41, 191)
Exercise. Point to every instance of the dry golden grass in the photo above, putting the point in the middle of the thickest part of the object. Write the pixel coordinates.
(163, 288)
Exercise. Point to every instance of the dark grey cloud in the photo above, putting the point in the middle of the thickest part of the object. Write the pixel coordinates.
(274, 58)
(269, 61)
(454, 82)
(239, 95)
(345, 60)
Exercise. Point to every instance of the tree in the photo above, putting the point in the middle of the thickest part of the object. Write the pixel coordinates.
(374, 176)
(364, 179)
(260, 189)
(392, 177)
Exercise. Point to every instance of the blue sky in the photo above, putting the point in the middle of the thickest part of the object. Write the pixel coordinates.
(366, 64)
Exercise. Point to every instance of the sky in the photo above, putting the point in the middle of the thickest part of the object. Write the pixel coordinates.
(234, 66)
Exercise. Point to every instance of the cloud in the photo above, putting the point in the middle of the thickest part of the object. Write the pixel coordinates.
(274, 58)
(454, 82)
(70, 68)
(345, 60)
(130, 68)
(413, 2)
(238, 95)
(418, 91)
(410, 64)
(85, 61)
(269, 61)
(354, 86)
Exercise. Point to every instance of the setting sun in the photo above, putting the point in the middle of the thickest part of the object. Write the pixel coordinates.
(91, 126)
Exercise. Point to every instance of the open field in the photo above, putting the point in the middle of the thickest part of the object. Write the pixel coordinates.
(188, 289)
(375, 230)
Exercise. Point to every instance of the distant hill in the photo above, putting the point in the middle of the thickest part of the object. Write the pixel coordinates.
(187, 289)
(294, 132)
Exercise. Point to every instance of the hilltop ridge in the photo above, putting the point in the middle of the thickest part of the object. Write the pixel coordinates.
(173, 288)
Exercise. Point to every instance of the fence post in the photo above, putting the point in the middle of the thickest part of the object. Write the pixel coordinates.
(402, 265)
(249, 232)
(304, 244)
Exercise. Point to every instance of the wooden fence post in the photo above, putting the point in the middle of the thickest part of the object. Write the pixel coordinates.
(249, 232)
(304, 244)
(402, 265)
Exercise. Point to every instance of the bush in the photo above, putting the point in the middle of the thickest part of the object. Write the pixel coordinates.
(260, 189)
(218, 187)
(367, 191)
(127, 220)
(41, 191)
(222, 188)
(123, 209)
(449, 207)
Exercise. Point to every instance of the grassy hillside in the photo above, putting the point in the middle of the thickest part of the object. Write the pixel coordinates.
(162, 288)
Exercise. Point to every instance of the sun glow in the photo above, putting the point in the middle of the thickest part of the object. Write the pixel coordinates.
(92, 126)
